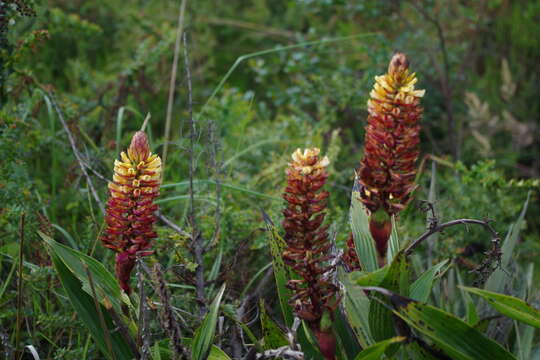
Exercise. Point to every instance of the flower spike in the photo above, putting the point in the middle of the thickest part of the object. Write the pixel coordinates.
(130, 209)
(308, 248)
(388, 169)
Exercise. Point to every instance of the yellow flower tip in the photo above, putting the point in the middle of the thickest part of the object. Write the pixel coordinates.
(139, 150)
(307, 162)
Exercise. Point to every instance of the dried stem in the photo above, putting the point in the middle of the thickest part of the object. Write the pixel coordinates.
(143, 336)
(170, 101)
(76, 152)
(172, 225)
(217, 167)
(441, 227)
(197, 246)
(486, 268)
(167, 319)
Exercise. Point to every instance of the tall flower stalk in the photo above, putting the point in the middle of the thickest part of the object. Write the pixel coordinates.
(130, 209)
(388, 169)
(308, 247)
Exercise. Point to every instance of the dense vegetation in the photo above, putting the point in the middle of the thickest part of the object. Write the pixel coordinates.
(255, 80)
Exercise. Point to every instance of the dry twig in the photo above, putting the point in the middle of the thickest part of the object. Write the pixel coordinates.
(196, 245)
(82, 164)
(167, 319)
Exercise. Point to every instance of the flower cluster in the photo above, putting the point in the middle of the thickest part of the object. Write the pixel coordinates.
(130, 209)
(308, 248)
(388, 169)
(350, 257)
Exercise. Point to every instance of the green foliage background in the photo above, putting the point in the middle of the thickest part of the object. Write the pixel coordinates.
(109, 63)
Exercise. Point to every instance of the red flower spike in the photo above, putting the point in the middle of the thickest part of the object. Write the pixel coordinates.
(388, 169)
(130, 209)
(307, 252)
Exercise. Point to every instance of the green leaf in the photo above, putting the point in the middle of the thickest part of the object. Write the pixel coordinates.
(421, 288)
(510, 306)
(381, 321)
(455, 337)
(281, 272)
(374, 278)
(356, 306)
(363, 242)
(273, 336)
(106, 285)
(85, 307)
(348, 345)
(393, 244)
(376, 351)
(204, 335)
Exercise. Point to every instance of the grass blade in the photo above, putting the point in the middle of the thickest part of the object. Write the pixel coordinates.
(204, 335)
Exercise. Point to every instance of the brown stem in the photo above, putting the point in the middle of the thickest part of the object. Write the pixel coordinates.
(441, 227)
(198, 249)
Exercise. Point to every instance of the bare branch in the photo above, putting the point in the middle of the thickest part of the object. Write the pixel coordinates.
(143, 336)
(76, 152)
(197, 246)
(492, 256)
(167, 319)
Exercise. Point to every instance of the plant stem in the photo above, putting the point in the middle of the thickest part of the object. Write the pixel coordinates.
(18, 352)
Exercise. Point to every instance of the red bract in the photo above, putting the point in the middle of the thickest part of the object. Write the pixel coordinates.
(388, 169)
(130, 209)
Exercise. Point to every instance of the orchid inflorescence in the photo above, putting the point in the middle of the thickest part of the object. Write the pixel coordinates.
(388, 170)
(308, 246)
(386, 180)
(130, 209)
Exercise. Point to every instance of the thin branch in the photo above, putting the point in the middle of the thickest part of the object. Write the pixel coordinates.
(76, 152)
(197, 246)
(172, 83)
(217, 168)
(486, 268)
(143, 336)
(172, 225)
(441, 227)
(167, 319)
